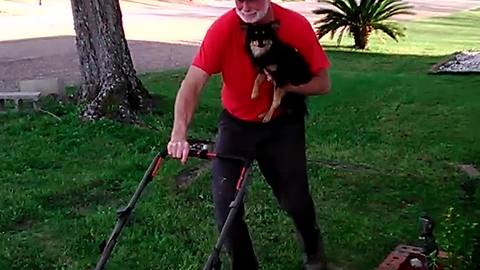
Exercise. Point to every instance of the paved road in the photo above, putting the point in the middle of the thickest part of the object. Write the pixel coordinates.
(37, 41)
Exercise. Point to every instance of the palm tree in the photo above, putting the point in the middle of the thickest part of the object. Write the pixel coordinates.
(360, 19)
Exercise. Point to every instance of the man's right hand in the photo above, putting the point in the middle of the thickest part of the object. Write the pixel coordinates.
(185, 104)
(178, 149)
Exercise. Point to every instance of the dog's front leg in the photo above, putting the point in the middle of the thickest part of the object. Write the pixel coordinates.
(256, 86)
(278, 94)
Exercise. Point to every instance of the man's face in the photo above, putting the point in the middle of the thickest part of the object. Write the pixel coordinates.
(252, 11)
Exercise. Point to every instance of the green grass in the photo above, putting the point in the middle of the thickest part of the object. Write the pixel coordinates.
(431, 36)
(61, 181)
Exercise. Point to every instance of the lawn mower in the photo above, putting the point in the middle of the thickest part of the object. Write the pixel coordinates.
(198, 149)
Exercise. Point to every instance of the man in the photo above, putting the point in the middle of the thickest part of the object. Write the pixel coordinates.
(278, 146)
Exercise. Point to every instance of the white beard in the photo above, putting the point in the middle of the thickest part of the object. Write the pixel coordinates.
(253, 16)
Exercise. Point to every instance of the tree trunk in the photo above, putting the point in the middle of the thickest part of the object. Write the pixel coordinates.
(110, 87)
(361, 36)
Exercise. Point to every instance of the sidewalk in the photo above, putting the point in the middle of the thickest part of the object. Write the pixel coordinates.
(174, 21)
(38, 41)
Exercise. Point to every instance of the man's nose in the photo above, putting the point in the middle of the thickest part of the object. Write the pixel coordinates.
(246, 6)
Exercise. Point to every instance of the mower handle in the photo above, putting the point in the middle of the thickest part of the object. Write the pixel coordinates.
(199, 149)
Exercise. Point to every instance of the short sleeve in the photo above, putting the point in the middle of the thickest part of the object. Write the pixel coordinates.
(209, 57)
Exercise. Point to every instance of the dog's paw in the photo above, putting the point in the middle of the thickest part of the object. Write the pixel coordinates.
(254, 94)
(266, 117)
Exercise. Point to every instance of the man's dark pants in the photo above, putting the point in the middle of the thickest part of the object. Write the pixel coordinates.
(279, 148)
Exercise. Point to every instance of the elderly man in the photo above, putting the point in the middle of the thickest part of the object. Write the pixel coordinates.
(278, 146)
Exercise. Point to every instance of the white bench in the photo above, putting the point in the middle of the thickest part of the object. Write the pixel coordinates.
(47, 86)
(19, 96)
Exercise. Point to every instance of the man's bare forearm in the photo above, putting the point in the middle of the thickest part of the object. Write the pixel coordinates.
(318, 85)
(185, 106)
(186, 102)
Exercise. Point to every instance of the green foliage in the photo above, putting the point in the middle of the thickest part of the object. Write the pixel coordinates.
(360, 19)
(460, 238)
(62, 181)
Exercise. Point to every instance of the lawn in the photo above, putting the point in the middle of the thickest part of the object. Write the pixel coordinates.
(399, 132)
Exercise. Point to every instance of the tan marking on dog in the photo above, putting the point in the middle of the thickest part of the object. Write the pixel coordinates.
(256, 85)
(272, 68)
(278, 94)
(257, 51)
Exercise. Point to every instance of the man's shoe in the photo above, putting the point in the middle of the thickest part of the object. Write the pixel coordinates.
(317, 262)
(314, 267)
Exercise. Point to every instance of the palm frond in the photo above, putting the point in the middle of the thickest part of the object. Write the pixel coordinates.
(394, 10)
(367, 9)
(321, 11)
(389, 8)
(333, 17)
(340, 36)
(392, 29)
(360, 17)
(342, 5)
(327, 28)
(379, 7)
(352, 3)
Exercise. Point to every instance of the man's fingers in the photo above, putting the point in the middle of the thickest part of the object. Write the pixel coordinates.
(178, 150)
(170, 149)
(186, 149)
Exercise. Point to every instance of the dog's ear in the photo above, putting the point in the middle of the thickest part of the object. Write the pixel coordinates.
(275, 25)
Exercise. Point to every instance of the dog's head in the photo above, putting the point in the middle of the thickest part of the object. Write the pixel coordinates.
(260, 37)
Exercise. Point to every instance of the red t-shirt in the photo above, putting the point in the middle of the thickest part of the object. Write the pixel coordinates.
(223, 51)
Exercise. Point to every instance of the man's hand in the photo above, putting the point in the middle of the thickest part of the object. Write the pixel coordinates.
(178, 149)
(185, 104)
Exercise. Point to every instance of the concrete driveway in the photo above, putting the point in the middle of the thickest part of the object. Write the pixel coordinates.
(38, 41)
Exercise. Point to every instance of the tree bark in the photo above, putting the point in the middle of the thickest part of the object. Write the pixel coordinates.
(361, 36)
(110, 86)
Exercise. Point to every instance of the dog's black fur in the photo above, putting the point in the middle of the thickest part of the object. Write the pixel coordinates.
(291, 67)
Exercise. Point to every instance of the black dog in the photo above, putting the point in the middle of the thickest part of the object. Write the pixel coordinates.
(280, 64)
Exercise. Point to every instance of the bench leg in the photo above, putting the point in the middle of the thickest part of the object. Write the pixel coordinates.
(2, 105)
(17, 105)
(35, 105)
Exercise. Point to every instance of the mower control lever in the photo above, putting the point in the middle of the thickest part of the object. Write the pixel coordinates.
(200, 150)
